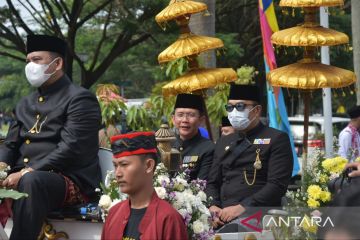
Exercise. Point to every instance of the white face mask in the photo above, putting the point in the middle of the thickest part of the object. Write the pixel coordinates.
(35, 73)
(240, 120)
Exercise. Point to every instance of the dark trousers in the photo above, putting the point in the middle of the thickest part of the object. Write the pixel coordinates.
(46, 192)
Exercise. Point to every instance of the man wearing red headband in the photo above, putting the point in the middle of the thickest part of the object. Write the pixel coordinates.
(144, 214)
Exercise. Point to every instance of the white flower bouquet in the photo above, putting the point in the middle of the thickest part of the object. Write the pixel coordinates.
(188, 198)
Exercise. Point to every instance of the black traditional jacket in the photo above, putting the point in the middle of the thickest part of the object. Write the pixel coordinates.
(56, 129)
(197, 154)
(232, 178)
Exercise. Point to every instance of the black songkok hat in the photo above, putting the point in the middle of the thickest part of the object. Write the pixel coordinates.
(225, 122)
(244, 92)
(134, 143)
(185, 100)
(354, 112)
(45, 43)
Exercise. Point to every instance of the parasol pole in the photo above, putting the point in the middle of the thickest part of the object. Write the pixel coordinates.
(306, 127)
(207, 120)
(194, 64)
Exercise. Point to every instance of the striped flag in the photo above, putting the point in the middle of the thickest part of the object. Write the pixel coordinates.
(278, 117)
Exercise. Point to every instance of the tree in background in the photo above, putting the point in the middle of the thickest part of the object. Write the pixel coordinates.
(204, 24)
(113, 27)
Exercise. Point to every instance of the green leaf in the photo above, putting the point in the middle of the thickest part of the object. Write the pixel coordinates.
(9, 193)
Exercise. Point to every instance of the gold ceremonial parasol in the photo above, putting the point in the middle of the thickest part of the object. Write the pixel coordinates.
(189, 44)
(311, 3)
(309, 36)
(179, 8)
(198, 79)
(309, 74)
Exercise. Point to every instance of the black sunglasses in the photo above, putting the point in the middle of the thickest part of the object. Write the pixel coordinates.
(239, 106)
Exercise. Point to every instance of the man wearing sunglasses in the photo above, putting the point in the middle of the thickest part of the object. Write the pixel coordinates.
(197, 151)
(251, 167)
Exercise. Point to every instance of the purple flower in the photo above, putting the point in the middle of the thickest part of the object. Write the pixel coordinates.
(187, 219)
(204, 235)
(163, 183)
(172, 195)
(199, 183)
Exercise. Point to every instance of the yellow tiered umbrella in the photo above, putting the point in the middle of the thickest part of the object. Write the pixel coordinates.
(198, 79)
(309, 36)
(178, 8)
(189, 44)
(310, 75)
(311, 3)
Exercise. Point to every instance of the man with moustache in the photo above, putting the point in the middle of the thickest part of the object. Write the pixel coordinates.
(143, 215)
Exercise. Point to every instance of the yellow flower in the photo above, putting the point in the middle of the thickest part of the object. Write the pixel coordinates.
(325, 196)
(334, 165)
(312, 203)
(357, 159)
(307, 225)
(323, 178)
(314, 191)
(327, 164)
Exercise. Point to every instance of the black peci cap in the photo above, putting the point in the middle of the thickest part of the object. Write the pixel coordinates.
(45, 43)
(244, 92)
(185, 100)
(354, 112)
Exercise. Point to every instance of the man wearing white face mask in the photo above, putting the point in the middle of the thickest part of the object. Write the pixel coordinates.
(251, 167)
(53, 144)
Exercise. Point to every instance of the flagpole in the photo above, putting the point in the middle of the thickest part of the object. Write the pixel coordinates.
(327, 109)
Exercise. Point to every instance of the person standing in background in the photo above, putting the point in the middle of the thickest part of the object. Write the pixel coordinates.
(349, 137)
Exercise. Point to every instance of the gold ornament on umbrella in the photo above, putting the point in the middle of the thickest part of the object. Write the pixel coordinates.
(311, 3)
(190, 45)
(179, 8)
(309, 36)
(309, 74)
(199, 79)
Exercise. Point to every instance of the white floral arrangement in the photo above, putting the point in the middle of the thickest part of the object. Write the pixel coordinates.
(188, 198)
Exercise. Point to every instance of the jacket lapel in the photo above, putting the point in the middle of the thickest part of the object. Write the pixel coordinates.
(149, 214)
(235, 149)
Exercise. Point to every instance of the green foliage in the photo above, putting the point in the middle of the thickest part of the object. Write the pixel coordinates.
(10, 193)
(246, 75)
(111, 190)
(12, 89)
(176, 68)
(157, 109)
(141, 119)
(111, 104)
(215, 103)
(232, 51)
(111, 112)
